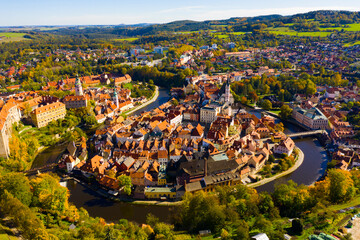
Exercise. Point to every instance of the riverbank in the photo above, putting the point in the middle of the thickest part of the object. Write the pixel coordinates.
(153, 99)
(121, 198)
(297, 164)
(105, 194)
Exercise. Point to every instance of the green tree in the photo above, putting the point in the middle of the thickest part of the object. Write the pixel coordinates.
(125, 184)
(285, 111)
(266, 104)
(18, 185)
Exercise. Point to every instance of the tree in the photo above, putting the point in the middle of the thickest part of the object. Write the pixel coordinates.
(266, 104)
(48, 194)
(296, 227)
(174, 102)
(125, 184)
(242, 231)
(341, 187)
(244, 100)
(254, 97)
(18, 185)
(285, 111)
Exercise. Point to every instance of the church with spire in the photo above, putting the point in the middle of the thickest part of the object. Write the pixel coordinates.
(226, 96)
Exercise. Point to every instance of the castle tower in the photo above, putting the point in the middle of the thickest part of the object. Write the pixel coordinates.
(116, 98)
(78, 87)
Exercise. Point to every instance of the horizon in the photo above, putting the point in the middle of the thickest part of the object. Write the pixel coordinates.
(110, 12)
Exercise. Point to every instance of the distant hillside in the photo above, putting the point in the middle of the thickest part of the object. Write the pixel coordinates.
(245, 24)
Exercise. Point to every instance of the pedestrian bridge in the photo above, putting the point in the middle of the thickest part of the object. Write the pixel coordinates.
(305, 134)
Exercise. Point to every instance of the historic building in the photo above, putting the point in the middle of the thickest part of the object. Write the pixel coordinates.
(78, 87)
(45, 114)
(75, 101)
(9, 114)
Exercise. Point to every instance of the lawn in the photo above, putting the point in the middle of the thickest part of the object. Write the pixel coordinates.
(352, 203)
(128, 86)
(11, 36)
(125, 39)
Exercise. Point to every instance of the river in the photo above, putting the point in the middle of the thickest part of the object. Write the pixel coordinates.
(313, 166)
(311, 170)
(162, 98)
(111, 211)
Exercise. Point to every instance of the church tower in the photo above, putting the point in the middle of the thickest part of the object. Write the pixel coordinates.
(78, 87)
(227, 91)
(116, 98)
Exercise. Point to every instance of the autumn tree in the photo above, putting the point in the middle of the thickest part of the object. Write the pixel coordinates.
(341, 187)
(48, 194)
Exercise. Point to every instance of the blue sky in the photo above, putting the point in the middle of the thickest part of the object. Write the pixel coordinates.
(102, 12)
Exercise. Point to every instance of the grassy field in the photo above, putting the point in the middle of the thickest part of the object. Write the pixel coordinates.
(352, 44)
(128, 86)
(11, 36)
(125, 39)
(238, 33)
(352, 203)
(353, 27)
(300, 34)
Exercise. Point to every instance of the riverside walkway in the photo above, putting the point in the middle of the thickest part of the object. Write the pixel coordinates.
(297, 164)
(153, 99)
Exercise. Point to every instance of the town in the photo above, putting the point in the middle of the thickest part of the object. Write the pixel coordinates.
(231, 127)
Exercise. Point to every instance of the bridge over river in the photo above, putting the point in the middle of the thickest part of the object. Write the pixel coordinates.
(305, 134)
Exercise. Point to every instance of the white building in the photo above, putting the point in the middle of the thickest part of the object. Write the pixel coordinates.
(159, 50)
(208, 114)
(10, 114)
(71, 163)
(286, 146)
(312, 118)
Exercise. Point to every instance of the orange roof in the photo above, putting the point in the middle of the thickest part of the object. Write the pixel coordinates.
(48, 107)
(74, 98)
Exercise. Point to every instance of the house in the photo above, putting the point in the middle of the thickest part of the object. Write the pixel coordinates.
(260, 236)
(71, 162)
(75, 101)
(160, 192)
(286, 146)
(208, 114)
(126, 164)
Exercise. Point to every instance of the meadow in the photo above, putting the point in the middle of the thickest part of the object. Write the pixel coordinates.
(11, 36)
(125, 39)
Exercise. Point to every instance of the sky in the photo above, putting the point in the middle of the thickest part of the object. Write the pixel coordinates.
(113, 12)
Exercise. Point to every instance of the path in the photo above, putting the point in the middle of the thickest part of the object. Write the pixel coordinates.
(297, 164)
(153, 99)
